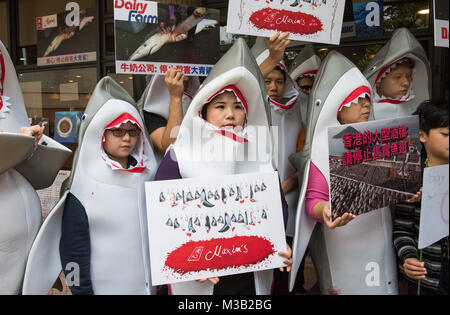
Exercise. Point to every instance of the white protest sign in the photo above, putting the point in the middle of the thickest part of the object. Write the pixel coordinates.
(214, 226)
(441, 33)
(307, 20)
(434, 212)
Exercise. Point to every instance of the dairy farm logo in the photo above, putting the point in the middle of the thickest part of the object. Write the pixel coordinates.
(136, 11)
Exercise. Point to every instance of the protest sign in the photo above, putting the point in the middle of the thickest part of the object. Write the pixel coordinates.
(152, 37)
(434, 211)
(373, 164)
(307, 20)
(368, 17)
(211, 227)
(441, 33)
(68, 37)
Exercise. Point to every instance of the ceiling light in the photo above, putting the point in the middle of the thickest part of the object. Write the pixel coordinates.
(424, 11)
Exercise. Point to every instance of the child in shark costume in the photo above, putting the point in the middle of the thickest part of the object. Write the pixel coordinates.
(101, 219)
(22, 170)
(343, 257)
(306, 64)
(286, 117)
(236, 73)
(402, 49)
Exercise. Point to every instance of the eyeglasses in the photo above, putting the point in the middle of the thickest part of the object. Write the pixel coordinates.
(120, 132)
(306, 87)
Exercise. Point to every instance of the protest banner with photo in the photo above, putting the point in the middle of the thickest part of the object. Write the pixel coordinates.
(211, 227)
(152, 37)
(68, 37)
(434, 211)
(373, 164)
(307, 20)
(441, 33)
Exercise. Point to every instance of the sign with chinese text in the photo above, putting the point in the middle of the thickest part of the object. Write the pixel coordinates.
(307, 20)
(374, 164)
(152, 37)
(434, 211)
(211, 227)
(68, 37)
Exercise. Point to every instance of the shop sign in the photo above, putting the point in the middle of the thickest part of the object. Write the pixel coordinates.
(68, 37)
(152, 37)
(368, 17)
(307, 20)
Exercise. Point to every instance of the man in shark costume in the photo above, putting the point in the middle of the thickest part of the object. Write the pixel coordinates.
(357, 258)
(401, 47)
(306, 64)
(238, 72)
(155, 104)
(111, 212)
(285, 115)
(22, 170)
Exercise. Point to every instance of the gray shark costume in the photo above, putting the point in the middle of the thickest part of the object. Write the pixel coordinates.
(286, 117)
(402, 45)
(341, 256)
(112, 200)
(156, 98)
(21, 172)
(236, 71)
(306, 64)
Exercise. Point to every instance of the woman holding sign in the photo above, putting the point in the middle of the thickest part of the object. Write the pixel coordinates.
(224, 111)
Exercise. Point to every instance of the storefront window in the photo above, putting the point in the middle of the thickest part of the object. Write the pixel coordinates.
(415, 15)
(4, 29)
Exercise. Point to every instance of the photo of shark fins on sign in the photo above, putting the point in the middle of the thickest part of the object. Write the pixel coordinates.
(174, 31)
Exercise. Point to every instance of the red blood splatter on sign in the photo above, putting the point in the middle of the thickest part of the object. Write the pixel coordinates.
(221, 253)
(286, 21)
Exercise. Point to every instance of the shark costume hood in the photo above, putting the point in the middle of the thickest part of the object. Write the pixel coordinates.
(286, 117)
(237, 72)
(156, 98)
(113, 199)
(402, 45)
(341, 256)
(306, 64)
(21, 172)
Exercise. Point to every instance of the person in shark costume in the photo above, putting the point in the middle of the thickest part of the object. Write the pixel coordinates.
(285, 115)
(104, 208)
(357, 258)
(400, 75)
(164, 105)
(23, 168)
(237, 74)
(305, 67)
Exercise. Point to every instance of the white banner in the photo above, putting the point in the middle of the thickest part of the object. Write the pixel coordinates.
(434, 212)
(307, 20)
(214, 226)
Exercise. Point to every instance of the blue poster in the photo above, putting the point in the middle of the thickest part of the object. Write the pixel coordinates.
(66, 126)
(368, 17)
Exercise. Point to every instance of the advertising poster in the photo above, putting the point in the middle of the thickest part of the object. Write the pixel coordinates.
(307, 20)
(434, 211)
(441, 33)
(373, 165)
(66, 126)
(151, 37)
(368, 17)
(68, 37)
(211, 227)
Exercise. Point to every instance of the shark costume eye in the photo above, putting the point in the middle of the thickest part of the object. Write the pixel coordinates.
(84, 117)
(373, 68)
(318, 103)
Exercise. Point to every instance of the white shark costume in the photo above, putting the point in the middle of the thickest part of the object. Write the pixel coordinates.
(402, 45)
(112, 200)
(21, 172)
(156, 98)
(238, 72)
(306, 64)
(343, 257)
(286, 117)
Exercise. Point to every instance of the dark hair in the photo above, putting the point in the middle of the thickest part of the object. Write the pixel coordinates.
(278, 68)
(432, 114)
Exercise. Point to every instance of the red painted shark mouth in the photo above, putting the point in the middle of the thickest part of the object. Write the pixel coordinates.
(219, 253)
(286, 21)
